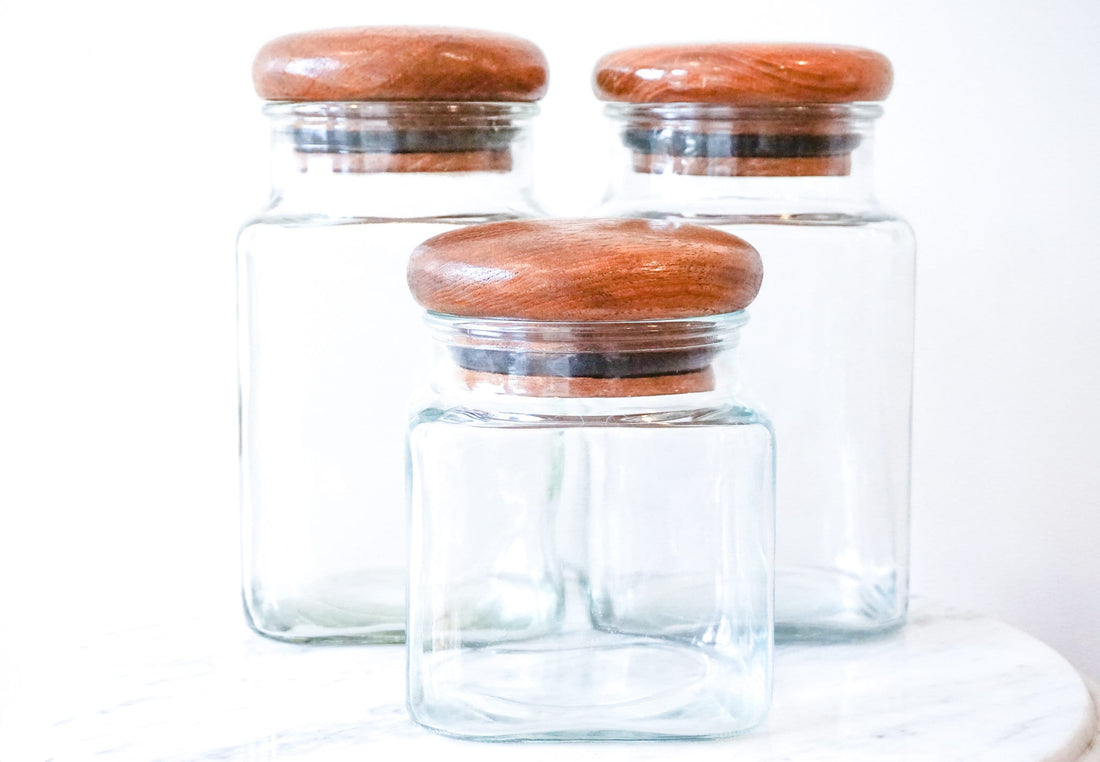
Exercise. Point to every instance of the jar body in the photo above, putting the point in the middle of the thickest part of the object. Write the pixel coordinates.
(330, 346)
(590, 568)
(829, 356)
(831, 353)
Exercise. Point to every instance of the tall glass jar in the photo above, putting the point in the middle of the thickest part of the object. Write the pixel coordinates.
(371, 155)
(774, 143)
(591, 502)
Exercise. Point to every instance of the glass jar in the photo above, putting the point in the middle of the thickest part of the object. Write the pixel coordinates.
(773, 143)
(358, 182)
(591, 503)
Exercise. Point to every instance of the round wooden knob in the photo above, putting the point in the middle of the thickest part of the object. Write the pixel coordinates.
(743, 74)
(400, 63)
(585, 270)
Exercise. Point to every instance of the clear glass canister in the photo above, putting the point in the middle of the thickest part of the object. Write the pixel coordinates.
(591, 533)
(331, 344)
(830, 352)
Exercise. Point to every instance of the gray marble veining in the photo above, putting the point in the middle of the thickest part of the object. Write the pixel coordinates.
(946, 687)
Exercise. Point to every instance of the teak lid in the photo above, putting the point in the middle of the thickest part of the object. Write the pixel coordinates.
(400, 64)
(787, 96)
(743, 74)
(585, 270)
(584, 290)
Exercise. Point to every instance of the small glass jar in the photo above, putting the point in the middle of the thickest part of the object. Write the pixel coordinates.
(591, 503)
(401, 134)
(773, 143)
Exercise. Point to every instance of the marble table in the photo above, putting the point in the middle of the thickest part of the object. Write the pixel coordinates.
(949, 686)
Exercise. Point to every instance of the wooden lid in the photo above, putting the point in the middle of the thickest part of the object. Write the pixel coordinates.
(400, 63)
(585, 270)
(743, 74)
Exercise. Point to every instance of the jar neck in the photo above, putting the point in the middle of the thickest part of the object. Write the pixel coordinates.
(801, 156)
(487, 356)
(401, 159)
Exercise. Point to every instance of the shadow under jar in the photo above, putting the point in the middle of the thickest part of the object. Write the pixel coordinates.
(381, 138)
(591, 504)
(773, 143)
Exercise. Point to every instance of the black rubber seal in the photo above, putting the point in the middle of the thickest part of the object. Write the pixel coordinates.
(584, 364)
(719, 145)
(321, 140)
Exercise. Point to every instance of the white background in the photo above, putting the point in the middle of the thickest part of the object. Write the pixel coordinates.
(133, 146)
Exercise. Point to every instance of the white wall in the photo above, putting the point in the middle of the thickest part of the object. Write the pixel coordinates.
(133, 146)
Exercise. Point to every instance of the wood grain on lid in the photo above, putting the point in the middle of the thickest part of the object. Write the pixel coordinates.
(585, 270)
(400, 63)
(356, 163)
(747, 74)
(809, 166)
(557, 386)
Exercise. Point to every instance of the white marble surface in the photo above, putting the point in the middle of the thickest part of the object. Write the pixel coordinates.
(947, 687)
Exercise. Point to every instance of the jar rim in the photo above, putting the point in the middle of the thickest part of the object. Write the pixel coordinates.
(633, 358)
(640, 335)
(457, 110)
(693, 111)
(739, 317)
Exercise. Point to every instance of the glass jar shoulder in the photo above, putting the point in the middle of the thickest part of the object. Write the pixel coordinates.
(811, 235)
(351, 201)
(562, 413)
(720, 212)
(312, 234)
(277, 217)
